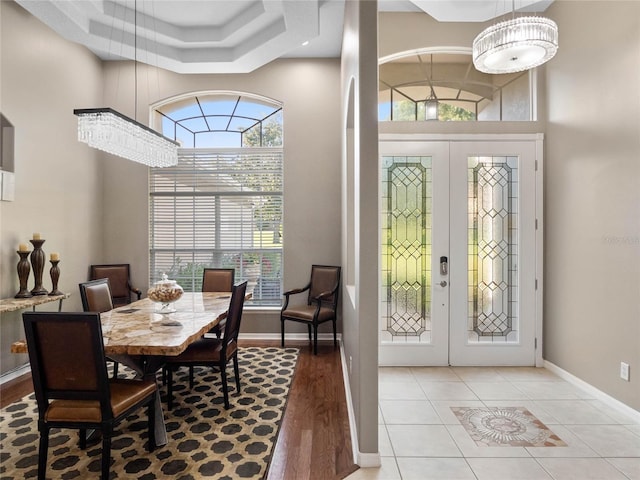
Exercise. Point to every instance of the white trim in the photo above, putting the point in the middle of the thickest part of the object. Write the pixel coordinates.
(539, 234)
(15, 373)
(460, 137)
(598, 394)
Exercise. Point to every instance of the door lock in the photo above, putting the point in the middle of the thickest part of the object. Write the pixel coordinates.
(443, 283)
(444, 266)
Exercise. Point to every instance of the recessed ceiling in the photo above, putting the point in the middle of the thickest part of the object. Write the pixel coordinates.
(227, 36)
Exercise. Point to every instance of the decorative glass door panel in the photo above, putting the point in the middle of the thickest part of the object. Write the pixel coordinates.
(459, 253)
(493, 241)
(407, 246)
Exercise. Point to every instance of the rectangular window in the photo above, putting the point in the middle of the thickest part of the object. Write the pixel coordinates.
(219, 208)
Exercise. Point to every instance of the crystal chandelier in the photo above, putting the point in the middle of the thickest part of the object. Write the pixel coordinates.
(515, 45)
(112, 132)
(115, 133)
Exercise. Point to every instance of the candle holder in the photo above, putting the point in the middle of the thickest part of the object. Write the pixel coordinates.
(37, 262)
(55, 275)
(23, 275)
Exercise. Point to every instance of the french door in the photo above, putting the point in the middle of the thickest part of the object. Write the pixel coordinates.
(461, 252)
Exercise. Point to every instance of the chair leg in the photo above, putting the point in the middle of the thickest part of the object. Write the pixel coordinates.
(236, 370)
(309, 330)
(282, 332)
(225, 387)
(42, 452)
(115, 369)
(82, 434)
(151, 413)
(335, 336)
(106, 453)
(315, 339)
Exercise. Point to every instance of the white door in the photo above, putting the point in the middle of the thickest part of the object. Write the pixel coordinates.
(460, 252)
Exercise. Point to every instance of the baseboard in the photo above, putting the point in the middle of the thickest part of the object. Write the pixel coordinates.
(15, 373)
(598, 394)
(368, 460)
(363, 460)
(288, 336)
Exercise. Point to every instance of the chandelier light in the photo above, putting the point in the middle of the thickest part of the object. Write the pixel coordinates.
(515, 45)
(431, 107)
(115, 133)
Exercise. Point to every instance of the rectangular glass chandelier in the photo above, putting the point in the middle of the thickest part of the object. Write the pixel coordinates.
(115, 133)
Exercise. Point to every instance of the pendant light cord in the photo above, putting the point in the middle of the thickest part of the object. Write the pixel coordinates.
(135, 60)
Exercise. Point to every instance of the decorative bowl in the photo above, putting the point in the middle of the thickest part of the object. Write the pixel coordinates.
(164, 293)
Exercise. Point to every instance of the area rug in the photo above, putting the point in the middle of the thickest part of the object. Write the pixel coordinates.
(506, 426)
(204, 439)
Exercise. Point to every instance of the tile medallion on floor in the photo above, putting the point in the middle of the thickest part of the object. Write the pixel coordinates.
(580, 469)
(575, 447)
(434, 469)
(506, 426)
(470, 449)
(443, 408)
(422, 441)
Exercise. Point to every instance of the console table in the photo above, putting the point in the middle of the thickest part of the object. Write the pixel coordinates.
(15, 304)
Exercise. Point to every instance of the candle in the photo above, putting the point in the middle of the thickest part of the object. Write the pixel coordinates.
(55, 256)
(23, 247)
(36, 236)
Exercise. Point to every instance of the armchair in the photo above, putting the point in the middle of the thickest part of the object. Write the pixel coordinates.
(119, 281)
(321, 306)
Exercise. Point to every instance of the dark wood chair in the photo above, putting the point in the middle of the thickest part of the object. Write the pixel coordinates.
(218, 280)
(214, 352)
(119, 280)
(96, 297)
(321, 305)
(71, 385)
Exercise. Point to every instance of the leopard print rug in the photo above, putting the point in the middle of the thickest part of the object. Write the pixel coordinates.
(204, 439)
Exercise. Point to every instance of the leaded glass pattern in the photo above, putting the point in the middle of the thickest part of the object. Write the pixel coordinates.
(493, 249)
(406, 248)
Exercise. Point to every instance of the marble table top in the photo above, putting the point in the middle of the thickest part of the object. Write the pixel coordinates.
(138, 329)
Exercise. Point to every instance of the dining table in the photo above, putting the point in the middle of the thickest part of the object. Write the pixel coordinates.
(142, 334)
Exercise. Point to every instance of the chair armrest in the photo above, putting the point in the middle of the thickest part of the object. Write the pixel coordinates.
(293, 292)
(135, 290)
(323, 295)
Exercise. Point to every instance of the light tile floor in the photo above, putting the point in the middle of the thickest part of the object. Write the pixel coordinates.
(420, 438)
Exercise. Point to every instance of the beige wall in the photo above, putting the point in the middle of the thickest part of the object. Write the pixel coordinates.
(58, 183)
(592, 196)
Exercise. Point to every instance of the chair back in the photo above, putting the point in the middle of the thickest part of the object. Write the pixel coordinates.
(119, 280)
(218, 279)
(234, 315)
(96, 295)
(324, 278)
(63, 372)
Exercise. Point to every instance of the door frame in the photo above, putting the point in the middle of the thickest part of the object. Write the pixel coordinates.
(538, 139)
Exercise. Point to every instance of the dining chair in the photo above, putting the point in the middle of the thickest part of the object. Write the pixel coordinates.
(119, 279)
(214, 352)
(218, 280)
(321, 305)
(72, 387)
(96, 297)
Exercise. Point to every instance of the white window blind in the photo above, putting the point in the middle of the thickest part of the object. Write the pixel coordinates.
(219, 208)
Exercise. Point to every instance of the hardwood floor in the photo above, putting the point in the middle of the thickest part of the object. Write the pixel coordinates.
(314, 442)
